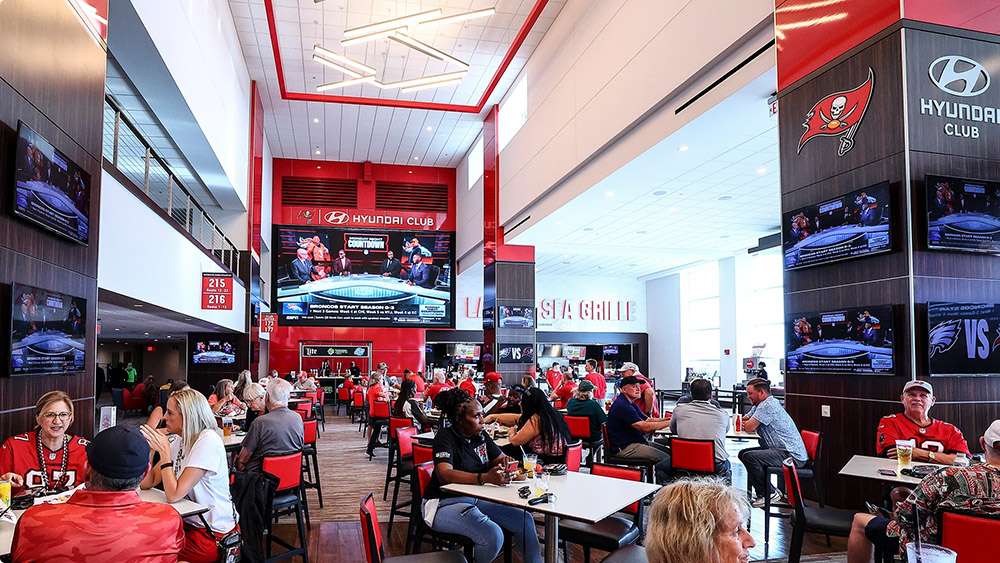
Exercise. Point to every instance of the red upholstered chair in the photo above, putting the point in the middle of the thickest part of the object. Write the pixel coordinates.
(133, 400)
(304, 410)
(319, 406)
(288, 499)
(691, 457)
(404, 470)
(395, 423)
(614, 532)
(358, 411)
(813, 442)
(647, 467)
(378, 417)
(574, 455)
(343, 400)
(422, 474)
(422, 454)
(579, 428)
(310, 459)
(963, 533)
(375, 551)
(821, 520)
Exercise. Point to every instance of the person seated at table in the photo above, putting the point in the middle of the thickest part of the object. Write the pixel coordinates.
(779, 439)
(974, 489)
(224, 401)
(698, 520)
(564, 392)
(348, 384)
(304, 383)
(192, 464)
(434, 388)
(628, 426)
(418, 381)
(468, 383)
(493, 401)
(278, 432)
(47, 457)
(699, 419)
(934, 441)
(406, 406)
(376, 392)
(106, 521)
(646, 401)
(464, 454)
(584, 404)
(242, 380)
(155, 418)
(528, 381)
(596, 378)
(539, 429)
(255, 397)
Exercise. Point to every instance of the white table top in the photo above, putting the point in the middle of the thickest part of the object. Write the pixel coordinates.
(233, 441)
(429, 437)
(730, 435)
(867, 467)
(579, 496)
(184, 507)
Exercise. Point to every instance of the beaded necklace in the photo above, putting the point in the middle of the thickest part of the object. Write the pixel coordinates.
(46, 483)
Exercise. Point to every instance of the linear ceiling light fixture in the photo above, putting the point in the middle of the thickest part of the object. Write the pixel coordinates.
(346, 83)
(346, 61)
(452, 82)
(391, 25)
(445, 20)
(430, 51)
(337, 66)
(416, 22)
(437, 78)
(366, 38)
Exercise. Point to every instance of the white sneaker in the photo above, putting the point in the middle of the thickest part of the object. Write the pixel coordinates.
(776, 498)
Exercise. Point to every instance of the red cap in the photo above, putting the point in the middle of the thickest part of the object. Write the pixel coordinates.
(493, 377)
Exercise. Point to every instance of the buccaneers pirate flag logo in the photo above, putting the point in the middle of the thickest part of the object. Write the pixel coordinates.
(839, 115)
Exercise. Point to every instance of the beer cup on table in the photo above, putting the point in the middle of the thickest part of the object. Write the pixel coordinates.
(904, 453)
(930, 553)
(5, 487)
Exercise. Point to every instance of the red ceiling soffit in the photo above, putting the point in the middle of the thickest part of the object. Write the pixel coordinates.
(529, 23)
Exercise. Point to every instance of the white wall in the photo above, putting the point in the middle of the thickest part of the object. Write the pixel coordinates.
(265, 196)
(663, 320)
(469, 203)
(143, 257)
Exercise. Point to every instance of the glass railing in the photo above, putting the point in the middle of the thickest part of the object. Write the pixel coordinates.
(129, 153)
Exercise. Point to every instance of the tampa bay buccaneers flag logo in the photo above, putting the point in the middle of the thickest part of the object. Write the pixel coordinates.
(839, 115)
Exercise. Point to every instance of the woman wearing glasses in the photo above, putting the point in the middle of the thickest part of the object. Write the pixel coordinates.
(47, 457)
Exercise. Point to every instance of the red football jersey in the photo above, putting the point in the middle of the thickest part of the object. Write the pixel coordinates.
(564, 393)
(938, 436)
(468, 386)
(19, 454)
(553, 377)
(600, 384)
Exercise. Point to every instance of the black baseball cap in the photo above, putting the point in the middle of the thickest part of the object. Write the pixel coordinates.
(630, 380)
(119, 452)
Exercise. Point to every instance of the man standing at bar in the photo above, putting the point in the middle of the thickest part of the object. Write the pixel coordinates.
(779, 437)
(596, 378)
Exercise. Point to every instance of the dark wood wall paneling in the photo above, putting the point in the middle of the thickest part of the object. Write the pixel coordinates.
(52, 78)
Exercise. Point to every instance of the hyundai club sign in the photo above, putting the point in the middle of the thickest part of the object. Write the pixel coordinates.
(392, 219)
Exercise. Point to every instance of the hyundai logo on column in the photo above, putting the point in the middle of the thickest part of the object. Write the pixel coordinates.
(336, 217)
(959, 76)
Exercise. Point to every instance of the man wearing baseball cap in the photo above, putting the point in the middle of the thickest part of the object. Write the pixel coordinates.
(971, 490)
(628, 427)
(107, 521)
(647, 395)
(934, 441)
(492, 399)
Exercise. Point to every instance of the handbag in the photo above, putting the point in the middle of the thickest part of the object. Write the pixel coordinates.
(230, 546)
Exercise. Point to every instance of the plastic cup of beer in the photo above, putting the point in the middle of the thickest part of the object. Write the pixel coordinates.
(904, 453)
(530, 460)
(930, 553)
(227, 427)
(5, 487)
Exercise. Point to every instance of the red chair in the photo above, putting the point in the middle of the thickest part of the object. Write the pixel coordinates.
(964, 533)
(375, 551)
(378, 418)
(343, 400)
(311, 479)
(574, 456)
(395, 424)
(610, 457)
(813, 442)
(288, 499)
(821, 520)
(579, 428)
(422, 454)
(304, 410)
(358, 410)
(319, 406)
(404, 470)
(615, 531)
(691, 457)
(422, 474)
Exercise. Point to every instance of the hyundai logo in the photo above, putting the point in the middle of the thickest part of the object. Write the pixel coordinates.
(336, 217)
(959, 76)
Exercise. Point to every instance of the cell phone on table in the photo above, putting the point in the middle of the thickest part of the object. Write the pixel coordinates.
(887, 472)
(542, 499)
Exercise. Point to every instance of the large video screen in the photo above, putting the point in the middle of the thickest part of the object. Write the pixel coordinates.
(850, 226)
(516, 317)
(853, 341)
(963, 338)
(213, 351)
(48, 332)
(963, 214)
(364, 277)
(50, 189)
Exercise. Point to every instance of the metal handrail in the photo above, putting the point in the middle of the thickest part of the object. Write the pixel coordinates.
(129, 153)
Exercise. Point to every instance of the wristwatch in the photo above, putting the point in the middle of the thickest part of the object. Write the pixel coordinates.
(932, 456)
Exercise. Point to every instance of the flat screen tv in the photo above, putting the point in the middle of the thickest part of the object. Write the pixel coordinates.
(517, 317)
(48, 332)
(466, 352)
(963, 214)
(213, 351)
(856, 341)
(50, 190)
(853, 225)
(516, 354)
(963, 338)
(575, 352)
(316, 286)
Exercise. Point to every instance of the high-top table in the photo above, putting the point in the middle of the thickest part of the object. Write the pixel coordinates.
(866, 467)
(184, 507)
(579, 496)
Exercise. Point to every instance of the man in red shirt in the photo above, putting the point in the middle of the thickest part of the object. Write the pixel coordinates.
(468, 385)
(418, 382)
(647, 397)
(553, 376)
(107, 521)
(565, 391)
(439, 384)
(593, 376)
(934, 440)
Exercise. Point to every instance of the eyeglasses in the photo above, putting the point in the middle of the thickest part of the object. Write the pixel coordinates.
(51, 416)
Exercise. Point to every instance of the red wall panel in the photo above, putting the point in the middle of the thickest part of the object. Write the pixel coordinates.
(978, 15)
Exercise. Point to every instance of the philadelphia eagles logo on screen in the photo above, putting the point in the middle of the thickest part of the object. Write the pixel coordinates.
(963, 338)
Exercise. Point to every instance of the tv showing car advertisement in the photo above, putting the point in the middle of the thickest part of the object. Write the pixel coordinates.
(517, 317)
(50, 190)
(850, 226)
(963, 338)
(363, 277)
(48, 332)
(213, 351)
(963, 214)
(851, 341)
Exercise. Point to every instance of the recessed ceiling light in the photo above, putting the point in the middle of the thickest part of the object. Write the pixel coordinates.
(609, 194)
(138, 305)
(416, 158)
(315, 120)
(317, 152)
(317, 168)
(429, 128)
(117, 330)
(762, 170)
(682, 148)
(660, 192)
(168, 336)
(189, 318)
(410, 172)
(725, 198)
(146, 333)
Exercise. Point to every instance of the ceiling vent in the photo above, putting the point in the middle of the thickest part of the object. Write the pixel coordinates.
(318, 192)
(412, 197)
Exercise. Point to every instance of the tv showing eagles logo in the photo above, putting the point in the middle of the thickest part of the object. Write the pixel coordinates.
(851, 341)
(963, 214)
(362, 277)
(963, 338)
(850, 226)
(516, 354)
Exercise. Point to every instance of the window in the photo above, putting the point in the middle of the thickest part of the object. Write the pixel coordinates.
(763, 322)
(475, 162)
(513, 112)
(700, 318)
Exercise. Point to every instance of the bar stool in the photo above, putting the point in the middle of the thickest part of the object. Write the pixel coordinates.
(288, 499)
(395, 424)
(343, 400)
(404, 471)
(311, 479)
(357, 409)
(378, 417)
(375, 552)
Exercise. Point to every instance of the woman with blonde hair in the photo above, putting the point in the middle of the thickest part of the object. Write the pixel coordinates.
(242, 381)
(192, 464)
(48, 457)
(698, 520)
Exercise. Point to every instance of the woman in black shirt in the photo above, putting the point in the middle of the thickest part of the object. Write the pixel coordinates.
(464, 454)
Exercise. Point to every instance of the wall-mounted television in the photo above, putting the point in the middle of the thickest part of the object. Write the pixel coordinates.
(857, 340)
(517, 317)
(963, 214)
(466, 352)
(575, 352)
(213, 351)
(317, 286)
(853, 225)
(48, 332)
(963, 338)
(516, 354)
(50, 190)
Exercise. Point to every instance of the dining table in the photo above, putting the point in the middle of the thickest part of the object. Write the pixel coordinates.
(577, 496)
(427, 438)
(730, 434)
(868, 467)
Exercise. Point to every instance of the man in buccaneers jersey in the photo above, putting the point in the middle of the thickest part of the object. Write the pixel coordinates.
(934, 440)
(47, 457)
